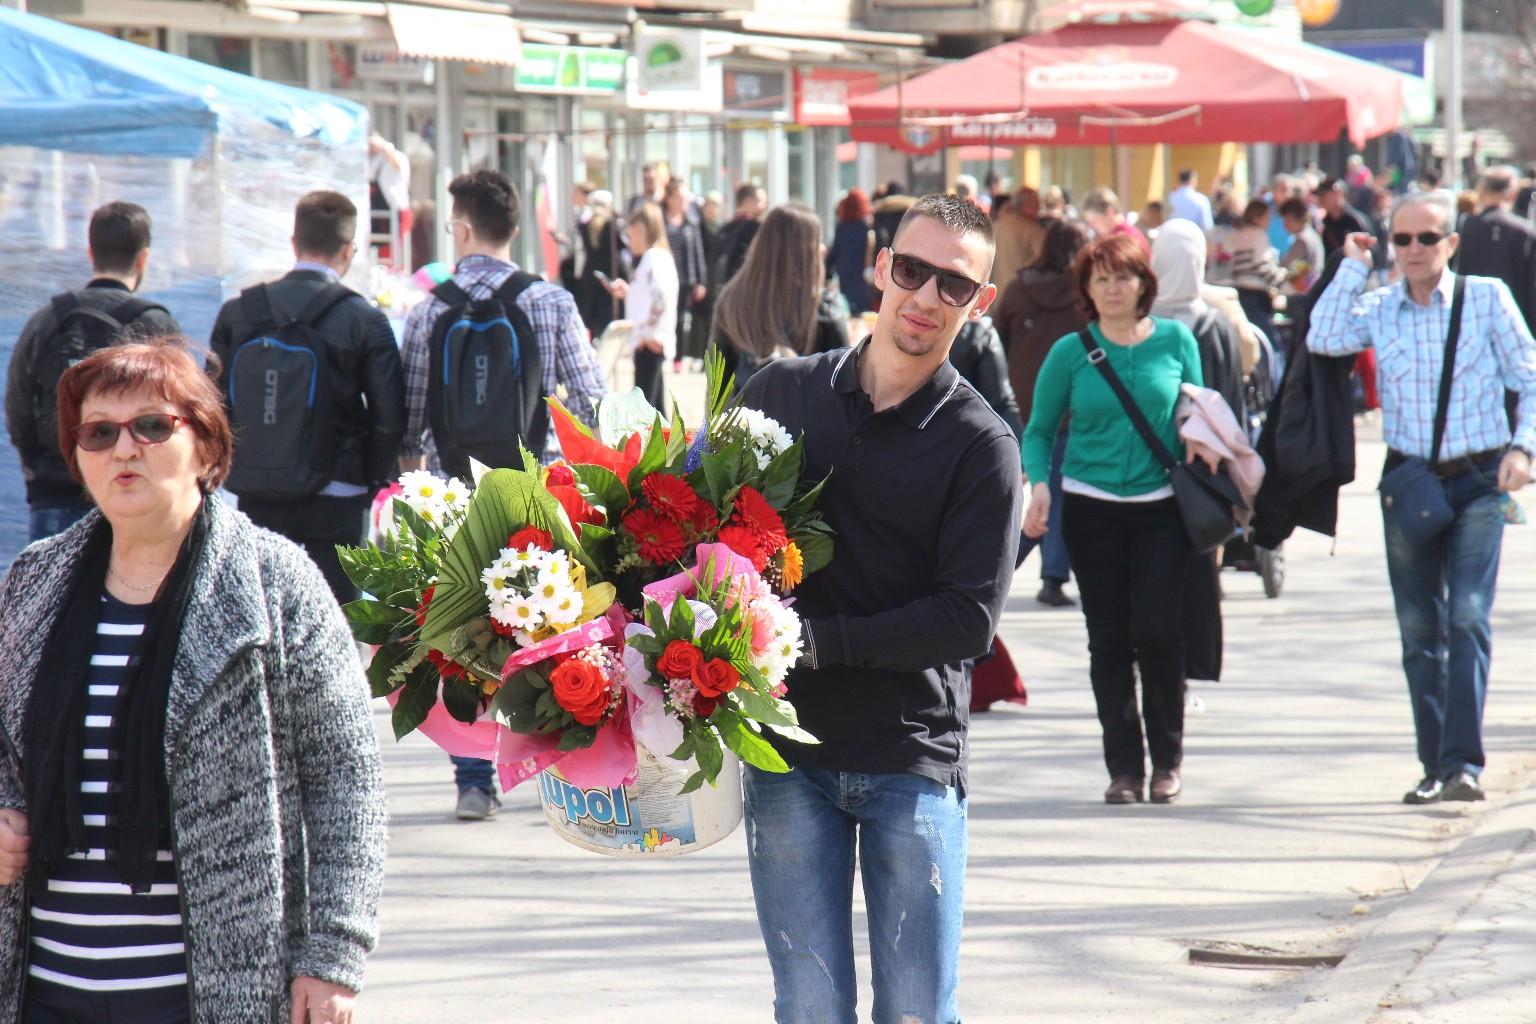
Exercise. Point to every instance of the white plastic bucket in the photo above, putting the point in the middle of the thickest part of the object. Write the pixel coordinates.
(647, 818)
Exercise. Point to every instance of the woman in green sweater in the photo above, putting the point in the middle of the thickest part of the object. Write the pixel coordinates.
(1119, 519)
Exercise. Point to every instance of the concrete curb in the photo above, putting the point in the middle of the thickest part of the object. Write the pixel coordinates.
(1393, 949)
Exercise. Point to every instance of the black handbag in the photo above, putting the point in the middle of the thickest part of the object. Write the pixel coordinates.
(1412, 497)
(1207, 502)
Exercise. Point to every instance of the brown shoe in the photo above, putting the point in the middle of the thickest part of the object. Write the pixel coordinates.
(1166, 786)
(1125, 789)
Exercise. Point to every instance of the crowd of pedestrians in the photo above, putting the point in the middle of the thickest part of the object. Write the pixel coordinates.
(978, 374)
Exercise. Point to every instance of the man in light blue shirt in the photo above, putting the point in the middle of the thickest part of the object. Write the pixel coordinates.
(1443, 589)
(1187, 202)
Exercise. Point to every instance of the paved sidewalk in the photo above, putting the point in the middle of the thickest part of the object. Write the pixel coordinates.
(1290, 840)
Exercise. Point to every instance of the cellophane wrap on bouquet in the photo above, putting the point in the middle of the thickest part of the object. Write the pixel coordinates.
(621, 619)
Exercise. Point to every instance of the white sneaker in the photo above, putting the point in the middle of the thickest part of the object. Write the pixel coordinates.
(476, 805)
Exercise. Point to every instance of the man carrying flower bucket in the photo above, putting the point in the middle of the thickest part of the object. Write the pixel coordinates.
(923, 493)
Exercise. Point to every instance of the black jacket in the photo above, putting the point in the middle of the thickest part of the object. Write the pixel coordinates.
(734, 240)
(367, 378)
(1308, 440)
(1220, 362)
(978, 354)
(47, 478)
(1496, 243)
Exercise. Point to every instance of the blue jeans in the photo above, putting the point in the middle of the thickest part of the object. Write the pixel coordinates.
(1054, 564)
(46, 522)
(473, 773)
(910, 833)
(1443, 592)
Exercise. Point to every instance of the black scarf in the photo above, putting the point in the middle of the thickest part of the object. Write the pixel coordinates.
(55, 724)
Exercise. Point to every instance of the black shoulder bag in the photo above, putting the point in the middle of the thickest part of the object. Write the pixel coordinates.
(1207, 501)
(1412, 498)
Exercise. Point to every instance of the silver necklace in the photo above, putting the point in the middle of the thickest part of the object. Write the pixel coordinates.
(135, 587)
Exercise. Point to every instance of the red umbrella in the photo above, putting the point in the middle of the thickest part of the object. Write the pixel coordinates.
(1129, 83)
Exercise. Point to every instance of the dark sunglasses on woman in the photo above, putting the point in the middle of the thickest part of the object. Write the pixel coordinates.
(910, 273)
(151, 428)
(1428, 239)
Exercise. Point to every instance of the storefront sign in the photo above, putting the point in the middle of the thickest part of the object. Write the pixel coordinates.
(570, 69)
(822, 94)
(1030, 129)
(1103, 73)
(1405, 55)
(1255, 8)
(381, 62)
(754, 91)
(670, 60)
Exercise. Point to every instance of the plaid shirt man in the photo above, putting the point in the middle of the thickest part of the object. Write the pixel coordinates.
(566, 353)
(1495, 352)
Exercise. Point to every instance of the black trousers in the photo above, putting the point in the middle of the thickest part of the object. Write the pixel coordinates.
(1131, 560)
(648, 379)
(58, 1004)
(317, 525)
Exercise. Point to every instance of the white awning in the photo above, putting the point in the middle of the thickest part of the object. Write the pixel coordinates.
(455, 35)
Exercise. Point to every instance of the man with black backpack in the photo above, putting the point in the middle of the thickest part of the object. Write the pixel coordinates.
(481, 354)
(71, 327)
(316, 395)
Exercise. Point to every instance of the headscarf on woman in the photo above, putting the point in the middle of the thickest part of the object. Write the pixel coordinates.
(1178, 260)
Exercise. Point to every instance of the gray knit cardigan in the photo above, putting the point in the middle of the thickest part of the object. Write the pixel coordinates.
(277, 799)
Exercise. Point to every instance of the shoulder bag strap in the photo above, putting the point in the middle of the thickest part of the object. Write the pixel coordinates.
(1442, 404)
(1099, 358)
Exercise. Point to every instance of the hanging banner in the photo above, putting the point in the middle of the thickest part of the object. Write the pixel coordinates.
(570, 70)
(669, 60)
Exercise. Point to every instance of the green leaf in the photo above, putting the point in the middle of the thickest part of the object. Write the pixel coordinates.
(374, 622)
(575, 737)
(652, 457)
(677, 444)
(655, 618)
(681, 622)
(782, 477)
(684, 750)
(416, 699)
(418, 527)
(393, 577)
(607, 489)
(815, 548)
(574, 421)
(597, 542)
(462, 699)
(805, 502)
(695, 781)
(505, 501)
(514, 705)
(720, 470)
(761, 707)
(751, 747)
(384, 662)
(706, 749)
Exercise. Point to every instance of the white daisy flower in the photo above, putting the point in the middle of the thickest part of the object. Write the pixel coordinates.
(454, 495)
(549, 588)
(497, 581)
(564, 610)
(420, 486)
(508, 562)
(517, 611)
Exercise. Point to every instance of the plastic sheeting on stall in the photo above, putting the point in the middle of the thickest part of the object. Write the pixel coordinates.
(217, 158)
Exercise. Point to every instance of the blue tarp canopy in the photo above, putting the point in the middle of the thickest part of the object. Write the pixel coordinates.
(69, 88)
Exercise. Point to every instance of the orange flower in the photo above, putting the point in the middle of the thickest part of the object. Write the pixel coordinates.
(791, 565)
(582, 689)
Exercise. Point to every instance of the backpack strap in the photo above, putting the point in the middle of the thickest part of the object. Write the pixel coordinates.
(68, 306)
(1100, 359)
(257, 306)
(451, 294)
(322, 303)
(515, 285)
(133, 307)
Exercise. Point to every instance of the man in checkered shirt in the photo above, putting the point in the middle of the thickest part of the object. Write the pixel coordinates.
(1443, 589)
(483, 224)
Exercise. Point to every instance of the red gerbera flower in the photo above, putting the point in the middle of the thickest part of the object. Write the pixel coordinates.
(746, 543)
(671, 496)
(531, 536)
(705, 519)
(659, 538)
(754, 512)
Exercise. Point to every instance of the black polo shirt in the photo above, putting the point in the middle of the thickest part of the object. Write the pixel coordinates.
(925, 500)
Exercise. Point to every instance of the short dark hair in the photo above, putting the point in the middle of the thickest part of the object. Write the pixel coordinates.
(1186, 176)
(1256, 210)
(746, 192)
(119, 232)
(1295, 209)
(956, 213)
(323, 223)
(488, 200)
(162, 366)
(1116, 254)
(1064, 239)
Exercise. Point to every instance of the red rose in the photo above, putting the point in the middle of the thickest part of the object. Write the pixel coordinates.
(704, 706)
(718, 678)
(446, 667)
(671, 496)
(560, 475)
(531, 536)
(426, 601)
(746, 543)
(581, 688)
(680, 660)
(658, 538)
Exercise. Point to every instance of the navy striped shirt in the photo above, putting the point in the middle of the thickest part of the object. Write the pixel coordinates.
(89, 931)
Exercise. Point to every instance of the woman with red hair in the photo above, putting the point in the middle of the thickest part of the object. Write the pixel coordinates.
(853, 247)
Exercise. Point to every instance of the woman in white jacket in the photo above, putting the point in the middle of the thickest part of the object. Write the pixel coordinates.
(650, 301)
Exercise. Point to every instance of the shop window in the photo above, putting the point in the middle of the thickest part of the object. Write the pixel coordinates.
(341, 65)
(228, 52)
(282, 60)
(699, 171)
(801, 174)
